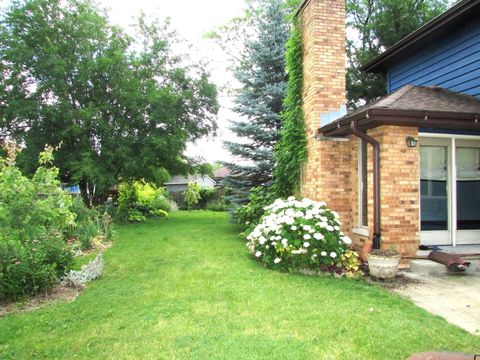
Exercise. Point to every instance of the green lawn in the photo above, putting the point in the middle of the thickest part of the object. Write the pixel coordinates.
(185, 288)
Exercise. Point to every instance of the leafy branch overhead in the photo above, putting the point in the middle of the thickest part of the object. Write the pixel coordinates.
(376, 25)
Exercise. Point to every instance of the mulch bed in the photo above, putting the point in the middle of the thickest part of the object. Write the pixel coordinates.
(399, 282)
(56, 295)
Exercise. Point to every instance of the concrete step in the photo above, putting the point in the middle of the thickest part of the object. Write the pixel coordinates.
(432, 268)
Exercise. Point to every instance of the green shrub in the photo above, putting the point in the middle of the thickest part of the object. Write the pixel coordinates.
(217, 205)
(127, 198)
(192, 195)
(91, 224)
(147, 192)
(35, 216)
(160, 213)
(86, 232)
(161, 203)
(24, 272)
(82, 212)
(135, 215)
(301, 235)
(248, 215)
(137, 200)
(206, 196)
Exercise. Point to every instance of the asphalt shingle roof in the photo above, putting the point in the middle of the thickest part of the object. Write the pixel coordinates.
(425, 98)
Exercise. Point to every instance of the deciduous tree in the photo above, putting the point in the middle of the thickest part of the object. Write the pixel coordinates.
(119, 107)
(377, 25)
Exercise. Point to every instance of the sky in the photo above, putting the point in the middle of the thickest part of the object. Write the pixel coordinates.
(192, 19)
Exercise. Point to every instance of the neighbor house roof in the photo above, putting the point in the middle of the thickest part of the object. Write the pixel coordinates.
(433, 30)
(412, 105)
(181, 180)
(221, 173)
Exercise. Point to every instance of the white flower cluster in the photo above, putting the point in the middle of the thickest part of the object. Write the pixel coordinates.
(298, 228)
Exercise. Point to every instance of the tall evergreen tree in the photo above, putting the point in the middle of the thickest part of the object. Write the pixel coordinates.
(379, 24)
(260, 70)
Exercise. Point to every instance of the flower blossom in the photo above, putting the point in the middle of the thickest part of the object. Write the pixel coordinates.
(347, 240)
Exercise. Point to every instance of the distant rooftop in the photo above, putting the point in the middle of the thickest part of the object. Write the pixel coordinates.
(181, 180)
(221, 172)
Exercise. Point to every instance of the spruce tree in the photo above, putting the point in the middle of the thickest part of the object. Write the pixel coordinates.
(259, 102)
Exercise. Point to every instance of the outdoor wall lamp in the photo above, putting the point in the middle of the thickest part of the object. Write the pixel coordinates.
(411, 141)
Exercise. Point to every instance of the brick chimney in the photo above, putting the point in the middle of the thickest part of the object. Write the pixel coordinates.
(326, 176)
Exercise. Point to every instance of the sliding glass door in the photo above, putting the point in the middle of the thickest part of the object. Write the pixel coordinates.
(449, 190)
(434, 192)
(467, 191)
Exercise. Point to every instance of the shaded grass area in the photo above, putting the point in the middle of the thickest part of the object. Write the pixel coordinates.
(185, 288)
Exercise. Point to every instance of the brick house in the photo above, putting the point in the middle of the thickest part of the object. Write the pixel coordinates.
(404, 170)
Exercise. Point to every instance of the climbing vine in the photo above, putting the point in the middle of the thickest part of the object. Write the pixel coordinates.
(291, 150)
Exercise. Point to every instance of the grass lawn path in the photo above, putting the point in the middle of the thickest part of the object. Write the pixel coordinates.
(185, 288)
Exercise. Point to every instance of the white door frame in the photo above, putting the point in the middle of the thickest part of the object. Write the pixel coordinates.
(468, 236)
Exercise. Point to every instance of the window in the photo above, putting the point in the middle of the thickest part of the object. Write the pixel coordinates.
(362, 184)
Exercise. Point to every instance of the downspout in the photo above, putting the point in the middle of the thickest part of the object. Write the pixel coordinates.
(376, 181)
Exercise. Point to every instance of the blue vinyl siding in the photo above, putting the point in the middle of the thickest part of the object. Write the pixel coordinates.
(452, 63)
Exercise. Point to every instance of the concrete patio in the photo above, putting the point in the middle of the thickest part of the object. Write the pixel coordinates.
(455, 297)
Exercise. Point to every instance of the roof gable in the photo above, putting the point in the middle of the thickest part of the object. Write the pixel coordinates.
(182, 180)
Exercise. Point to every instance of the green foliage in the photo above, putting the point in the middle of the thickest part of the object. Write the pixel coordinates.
(217, 205)
(82, 212)
(248, 215)
(127, 199)
(27, 268)
(35, 215)
(206, 195)
(351, 263)
(135, 215)
(138, 199)
(300, 235)
(192, 195)
(147, 192)
(92, 225)
(291, 151)
(122, 107)
(160, 213)
(380, 24)
(160, 202)
(204, 169)
(86, 231)
(105, 225)
(33, 207)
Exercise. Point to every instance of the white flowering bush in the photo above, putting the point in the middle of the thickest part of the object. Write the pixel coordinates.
(304, 234)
